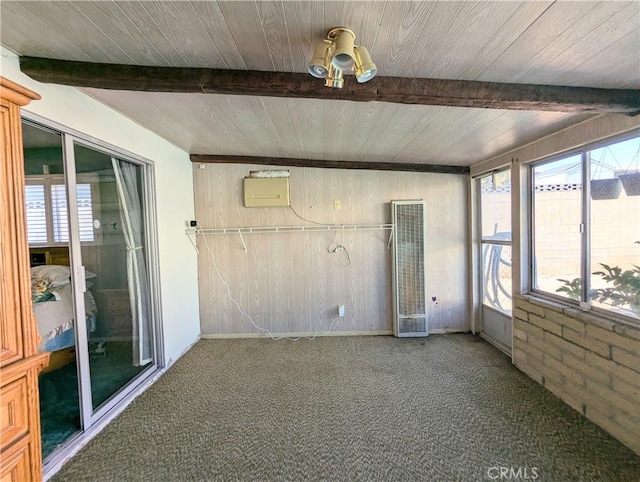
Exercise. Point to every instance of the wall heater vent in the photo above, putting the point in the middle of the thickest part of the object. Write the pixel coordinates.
(409, 269)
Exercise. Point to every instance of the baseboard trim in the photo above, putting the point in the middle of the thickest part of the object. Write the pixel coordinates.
(500, 346)
(220, 336)
(445, 331)
(217, 336)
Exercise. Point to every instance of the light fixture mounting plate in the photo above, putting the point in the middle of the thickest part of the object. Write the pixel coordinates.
(336, 31)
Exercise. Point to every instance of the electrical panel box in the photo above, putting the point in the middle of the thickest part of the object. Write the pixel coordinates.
(266, 192)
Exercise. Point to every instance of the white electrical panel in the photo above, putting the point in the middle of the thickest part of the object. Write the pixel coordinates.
(266, 192)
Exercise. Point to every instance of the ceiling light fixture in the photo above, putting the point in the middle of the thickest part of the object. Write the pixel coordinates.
(337, 54)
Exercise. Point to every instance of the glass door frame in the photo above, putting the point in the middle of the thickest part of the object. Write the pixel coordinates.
(90, 418)
(483, 312)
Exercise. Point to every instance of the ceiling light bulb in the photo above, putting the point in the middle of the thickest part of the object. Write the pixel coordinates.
(319, 65)
(343, 54)
(365, 69)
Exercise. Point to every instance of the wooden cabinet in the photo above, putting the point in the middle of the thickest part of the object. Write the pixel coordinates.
(115, 312)
(20, 362)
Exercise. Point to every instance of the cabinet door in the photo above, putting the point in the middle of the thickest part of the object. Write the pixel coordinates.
(11, 347)
(17, 464)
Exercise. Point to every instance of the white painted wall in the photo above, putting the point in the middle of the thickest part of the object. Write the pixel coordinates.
(72, 108)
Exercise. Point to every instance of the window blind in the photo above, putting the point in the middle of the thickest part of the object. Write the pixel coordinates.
(58, 211)
(36, 211)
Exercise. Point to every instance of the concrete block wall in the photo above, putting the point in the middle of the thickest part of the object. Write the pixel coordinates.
(590, 362)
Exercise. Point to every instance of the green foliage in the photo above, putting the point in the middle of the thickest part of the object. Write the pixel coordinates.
(572, 288)
(623, 289)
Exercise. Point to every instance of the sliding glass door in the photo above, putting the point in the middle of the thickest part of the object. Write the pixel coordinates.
(114, 257)
(51, 289)
(90, 238)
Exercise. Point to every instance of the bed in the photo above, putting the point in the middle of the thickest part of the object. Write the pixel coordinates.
(52, 299)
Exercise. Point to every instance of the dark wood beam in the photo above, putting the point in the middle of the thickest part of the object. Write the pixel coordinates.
(400, 90)
(323, 163)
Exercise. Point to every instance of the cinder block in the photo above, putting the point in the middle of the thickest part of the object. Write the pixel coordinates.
(529, 307)
(573, 323)
(546, 325)
(630, 360)
(615, 369)
(588, 399)
(547, 371)
(530, 350)
(519, 357)
(568, 372)
(632, 423)
(624, 388)
(596, 346)
(613, 338)
(628, 331)
(520, 334)
(565, 345)
(626, 436)
(547, 348)
(529, 328)
(549, 305)
(530, 372)
(619, 401)
(521, 314)
(603, 419)
(559, 392)
(586, 370)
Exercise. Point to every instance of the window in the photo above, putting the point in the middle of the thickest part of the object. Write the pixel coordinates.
(586, 238)
(47, 211)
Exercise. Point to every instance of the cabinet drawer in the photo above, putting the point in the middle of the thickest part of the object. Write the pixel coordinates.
(118, 304)
(14, 419)
(111, 300)
(16, 463)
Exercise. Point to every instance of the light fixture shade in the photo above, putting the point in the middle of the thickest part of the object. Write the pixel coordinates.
(343, 55)
(335, 78)
(319, 65)
(365, 69)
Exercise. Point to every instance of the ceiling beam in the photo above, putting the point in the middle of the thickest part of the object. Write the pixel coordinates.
(399, 90)
(322, 163)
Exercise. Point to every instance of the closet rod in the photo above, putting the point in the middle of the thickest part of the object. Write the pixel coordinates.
(285, 229)
(290, 229)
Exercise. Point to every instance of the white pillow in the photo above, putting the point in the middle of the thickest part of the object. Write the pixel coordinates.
(59, 275)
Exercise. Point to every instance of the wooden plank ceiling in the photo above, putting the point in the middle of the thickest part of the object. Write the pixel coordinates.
(587, 44)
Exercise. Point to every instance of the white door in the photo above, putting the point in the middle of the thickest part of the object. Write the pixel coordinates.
(494, 204)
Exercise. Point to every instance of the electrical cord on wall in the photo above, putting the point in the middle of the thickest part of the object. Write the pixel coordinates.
(333, 248)
(308, 220)
(245, 314)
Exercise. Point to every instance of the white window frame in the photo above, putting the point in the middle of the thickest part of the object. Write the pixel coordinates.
(584, 302)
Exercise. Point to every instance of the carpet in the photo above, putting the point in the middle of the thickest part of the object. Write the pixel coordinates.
(444, 408)
(59, 402)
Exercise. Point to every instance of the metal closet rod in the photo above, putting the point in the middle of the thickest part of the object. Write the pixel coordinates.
(287, 229)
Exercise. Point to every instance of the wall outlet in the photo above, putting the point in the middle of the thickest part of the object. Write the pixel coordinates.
(341, 310)
(336, 204)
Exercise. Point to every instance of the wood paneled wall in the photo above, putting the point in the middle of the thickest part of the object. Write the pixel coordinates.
(290, 283)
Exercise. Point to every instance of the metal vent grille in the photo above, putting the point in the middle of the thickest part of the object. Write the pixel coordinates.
(410, 303)
(412, 325)
(410, 260)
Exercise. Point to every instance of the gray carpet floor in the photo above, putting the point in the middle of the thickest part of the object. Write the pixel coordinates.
(445, 408)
